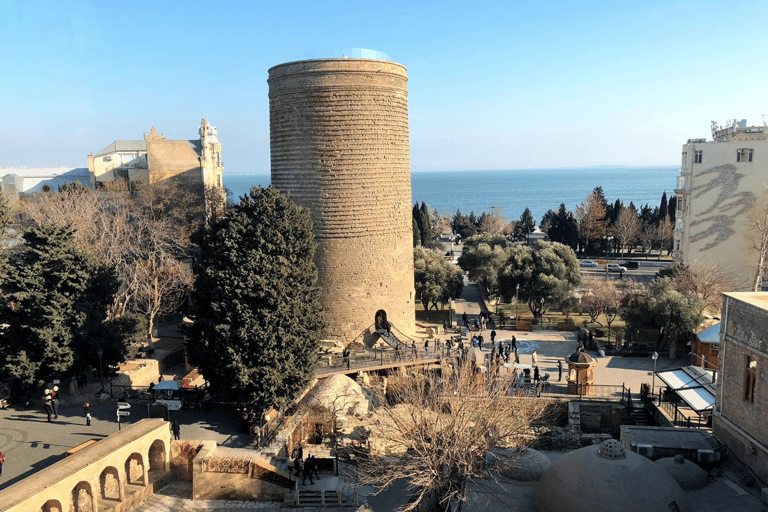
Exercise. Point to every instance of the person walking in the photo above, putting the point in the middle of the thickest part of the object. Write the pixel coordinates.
(534, 359)
(48, 406)
(306, 472)
(426, 348)
(87, 412)
(2, 459)
(536, 375)
(55, 401)
(517, 356)
(313, 467)
(514, 343)
(465, 319)
(297, 467)
(176, 429)
(559, 370)
(493, 337)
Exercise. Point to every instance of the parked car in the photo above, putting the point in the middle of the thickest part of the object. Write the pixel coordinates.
(615, 267)
(587, 263)
(630, 265)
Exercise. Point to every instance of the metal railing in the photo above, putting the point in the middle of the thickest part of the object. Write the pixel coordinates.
(676, 415)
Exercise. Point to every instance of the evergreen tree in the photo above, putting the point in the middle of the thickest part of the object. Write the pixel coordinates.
(563, 228)
(663, 207)
(257, 314)
(54, 298)
(416, 233)
(672, 209)
(525, 225)
(5, 214)
(425, 225)
(417, 218)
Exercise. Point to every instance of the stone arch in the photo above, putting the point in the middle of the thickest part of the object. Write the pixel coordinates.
(134, 470)
(83, 499)
(110, 485)
(381, 320)
(52, 506)
(157, 455)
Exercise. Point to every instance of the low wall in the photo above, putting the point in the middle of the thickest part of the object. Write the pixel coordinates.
(139, 372)
(220, 478)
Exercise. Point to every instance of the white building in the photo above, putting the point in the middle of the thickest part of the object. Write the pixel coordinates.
(720, 181)
(21, 182)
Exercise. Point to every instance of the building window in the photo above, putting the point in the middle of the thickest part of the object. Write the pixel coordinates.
(744, 155)
(685, 158)
(697, 156)
(749, 379)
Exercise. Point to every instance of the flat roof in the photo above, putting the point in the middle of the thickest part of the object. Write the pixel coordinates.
(757, 299)
(668, 437)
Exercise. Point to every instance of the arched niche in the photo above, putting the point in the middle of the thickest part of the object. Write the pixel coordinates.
(157, 456)
(82, 498)
(52, 506)
(109, 483)
(134, 469)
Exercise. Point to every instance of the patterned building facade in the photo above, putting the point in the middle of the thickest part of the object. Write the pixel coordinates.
(719, 184)
(340, 145)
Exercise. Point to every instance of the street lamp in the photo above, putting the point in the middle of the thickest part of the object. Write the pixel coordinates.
(517, 293)
(654, 356)
(542, 308)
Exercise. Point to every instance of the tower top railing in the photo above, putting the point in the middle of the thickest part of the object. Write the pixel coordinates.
(338, 53)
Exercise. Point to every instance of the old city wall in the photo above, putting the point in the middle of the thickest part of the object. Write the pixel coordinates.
(741, 423)
(119, 471)
(340, 146)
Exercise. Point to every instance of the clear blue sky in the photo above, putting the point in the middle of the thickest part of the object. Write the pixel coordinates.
(492, 85)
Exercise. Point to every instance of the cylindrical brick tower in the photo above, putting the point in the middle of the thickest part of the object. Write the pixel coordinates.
(339, 145)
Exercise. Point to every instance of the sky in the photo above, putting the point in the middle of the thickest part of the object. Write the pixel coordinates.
(492, 85)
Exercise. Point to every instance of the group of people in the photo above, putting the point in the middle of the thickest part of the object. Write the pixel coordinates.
(304, 468)
(480, 323)
(51, 403)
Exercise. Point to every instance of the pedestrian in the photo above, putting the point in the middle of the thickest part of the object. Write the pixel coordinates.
(559, 369)
(480, 342)
(87, 412)
(397, 352)
(345, 354)
(313, 467)
(413, 348)
(517, 357)
(493, 337)
(534, 358)
(426, 348)
(465, 319)
(514, 343)
(2, 459)
(55, 401)
(297, 467)
(536, 374)
(176, 429)
(48, 405)
(305, 472)
(300, 452)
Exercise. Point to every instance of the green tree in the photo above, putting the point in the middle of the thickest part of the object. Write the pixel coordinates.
(562, 227)
(5, 214)
(482, 261)
(525, 225)
(54, 297)
(437, 280)
(416, 233)
(257, 314)
(425, 224)
(658, 306)
(547, 274)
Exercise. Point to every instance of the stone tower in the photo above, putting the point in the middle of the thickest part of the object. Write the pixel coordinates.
(339, 145)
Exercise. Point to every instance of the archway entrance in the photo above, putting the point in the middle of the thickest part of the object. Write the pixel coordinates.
(381, 320)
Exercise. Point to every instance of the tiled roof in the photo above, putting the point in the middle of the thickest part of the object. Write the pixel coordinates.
(123, 145)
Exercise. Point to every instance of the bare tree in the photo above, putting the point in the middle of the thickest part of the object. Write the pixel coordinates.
(757, 235)
(600, 295)
(436, 427)
(494, 223)
(707, 280)
(626, 228)
(590, 215)
(665, 232)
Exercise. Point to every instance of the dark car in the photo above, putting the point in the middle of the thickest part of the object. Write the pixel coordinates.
(630, 265)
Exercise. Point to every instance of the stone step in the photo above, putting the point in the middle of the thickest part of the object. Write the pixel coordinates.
(314, 499)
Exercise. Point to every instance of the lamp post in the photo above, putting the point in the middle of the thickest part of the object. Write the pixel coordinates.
(542, 309)
(517, 293)
(654, 356)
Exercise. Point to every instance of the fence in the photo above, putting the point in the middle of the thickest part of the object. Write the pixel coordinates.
(677, 415)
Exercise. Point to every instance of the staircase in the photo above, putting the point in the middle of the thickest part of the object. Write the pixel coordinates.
(390, 339)
(640, 415)
(321, 499)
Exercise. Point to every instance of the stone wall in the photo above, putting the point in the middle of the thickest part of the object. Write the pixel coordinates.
(340, 145)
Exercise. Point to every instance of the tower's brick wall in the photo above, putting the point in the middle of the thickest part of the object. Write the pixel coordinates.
(339, 145)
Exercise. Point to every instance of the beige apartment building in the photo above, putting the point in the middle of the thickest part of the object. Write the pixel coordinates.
(719, 184)
(156, 158)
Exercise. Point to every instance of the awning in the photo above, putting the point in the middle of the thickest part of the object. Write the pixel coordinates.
(710, 334)
(693, 384)
(168, 384)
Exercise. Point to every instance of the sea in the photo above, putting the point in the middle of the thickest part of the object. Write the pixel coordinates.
(509, 192)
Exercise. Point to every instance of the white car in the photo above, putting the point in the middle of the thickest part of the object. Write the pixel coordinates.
(613, 267)
(587, 263)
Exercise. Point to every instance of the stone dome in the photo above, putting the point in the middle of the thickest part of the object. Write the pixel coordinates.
(520, 463)
(607, 478)
(686, 473)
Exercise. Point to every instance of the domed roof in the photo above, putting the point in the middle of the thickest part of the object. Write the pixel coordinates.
(520, 463)
(581, 357)
(686, 473)
(607, 478)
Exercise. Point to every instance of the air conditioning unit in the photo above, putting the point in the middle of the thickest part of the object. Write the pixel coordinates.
(707, 456)
(646, 450)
